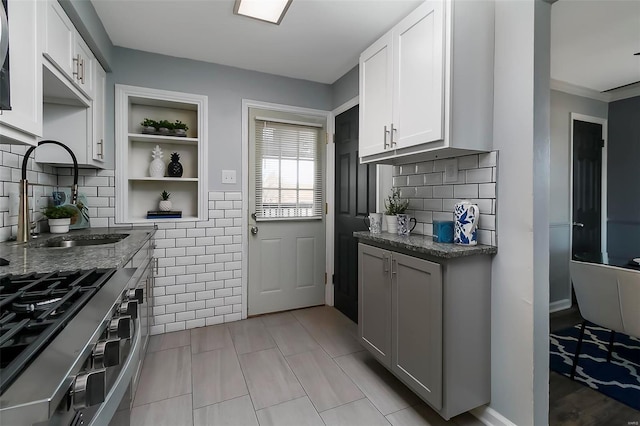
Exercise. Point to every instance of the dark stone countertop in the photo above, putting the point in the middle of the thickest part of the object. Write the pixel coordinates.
(28, 257)
(424, 244)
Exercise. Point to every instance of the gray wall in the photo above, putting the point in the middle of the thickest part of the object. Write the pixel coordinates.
(225, 86)
(345, 88)
(623, 202)
(562, 105)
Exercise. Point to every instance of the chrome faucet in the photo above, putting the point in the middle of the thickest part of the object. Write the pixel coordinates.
(24, 224)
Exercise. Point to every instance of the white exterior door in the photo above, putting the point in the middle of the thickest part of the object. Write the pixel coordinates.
(286, 258)
(418, 97)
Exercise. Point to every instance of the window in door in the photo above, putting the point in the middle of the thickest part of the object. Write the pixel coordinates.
(288, 171)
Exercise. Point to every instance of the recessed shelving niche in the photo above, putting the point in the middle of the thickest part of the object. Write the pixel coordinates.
(136, 191)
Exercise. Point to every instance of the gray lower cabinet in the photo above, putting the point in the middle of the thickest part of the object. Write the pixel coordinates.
(428, 322)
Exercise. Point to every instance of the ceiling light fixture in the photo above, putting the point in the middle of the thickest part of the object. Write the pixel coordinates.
(264, 10)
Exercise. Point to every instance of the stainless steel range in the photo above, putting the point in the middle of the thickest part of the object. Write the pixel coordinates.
(69, 345)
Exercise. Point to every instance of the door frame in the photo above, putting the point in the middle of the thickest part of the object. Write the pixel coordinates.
(603, 182)
(246, 104)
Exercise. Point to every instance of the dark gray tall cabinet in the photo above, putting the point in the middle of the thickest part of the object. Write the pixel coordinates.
(428, 321)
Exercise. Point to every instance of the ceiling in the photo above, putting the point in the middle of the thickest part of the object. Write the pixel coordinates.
(318, 40)
(593, 42)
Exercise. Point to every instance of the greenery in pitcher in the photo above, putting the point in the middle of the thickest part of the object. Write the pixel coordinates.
(394, 204)
(60, 212)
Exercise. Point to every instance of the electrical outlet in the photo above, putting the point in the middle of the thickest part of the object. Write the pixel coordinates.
(229, 176)
(451, 171)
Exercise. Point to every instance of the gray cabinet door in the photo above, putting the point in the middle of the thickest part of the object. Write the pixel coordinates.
(374, 301)
(417, 325)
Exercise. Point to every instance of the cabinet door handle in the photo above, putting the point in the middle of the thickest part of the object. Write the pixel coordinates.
(385, 264)
(386, 132)
(394, 267)
(82, 66)
(101, 145)
(393, 130)
(76, 61)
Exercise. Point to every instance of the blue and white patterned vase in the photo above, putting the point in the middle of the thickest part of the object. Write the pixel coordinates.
(466, 217)
(403, 224)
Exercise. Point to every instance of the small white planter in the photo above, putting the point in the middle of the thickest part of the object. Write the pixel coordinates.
(392, 223)
(165, 205)
(59, 226)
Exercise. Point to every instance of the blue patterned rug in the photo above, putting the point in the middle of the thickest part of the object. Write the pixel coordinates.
(618, 379)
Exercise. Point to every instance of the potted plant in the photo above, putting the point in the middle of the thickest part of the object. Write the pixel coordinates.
(60, 218)
(180, 128)
(394, 206)
(164, 127)
(165, 203)
(149, 126)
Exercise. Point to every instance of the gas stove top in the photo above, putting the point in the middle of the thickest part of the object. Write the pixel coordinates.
(34, 308)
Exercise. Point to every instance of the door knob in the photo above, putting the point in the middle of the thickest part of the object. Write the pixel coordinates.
(254, 230)
(578, 224)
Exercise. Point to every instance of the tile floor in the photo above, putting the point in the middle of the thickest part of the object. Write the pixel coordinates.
(303, 367)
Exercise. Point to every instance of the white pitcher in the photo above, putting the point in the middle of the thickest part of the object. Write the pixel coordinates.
(466, 217)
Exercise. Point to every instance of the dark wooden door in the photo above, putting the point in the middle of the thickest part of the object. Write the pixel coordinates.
(587, 196)
(355, 198)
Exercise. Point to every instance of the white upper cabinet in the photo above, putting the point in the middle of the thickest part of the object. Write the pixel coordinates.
(23, 123)
(376, 80)
(434, 98)
(66, 49)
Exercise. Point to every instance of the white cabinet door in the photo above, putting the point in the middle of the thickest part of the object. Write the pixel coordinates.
(23, 123)
(376, 80)
(85, 65)
(100, 82)
(418, 96)
(59, 39)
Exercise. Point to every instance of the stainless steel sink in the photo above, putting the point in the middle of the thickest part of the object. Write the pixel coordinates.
(79, 240)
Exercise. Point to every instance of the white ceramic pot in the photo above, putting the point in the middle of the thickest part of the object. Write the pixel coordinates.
(392, 223)
(165, 205)
(59, 226)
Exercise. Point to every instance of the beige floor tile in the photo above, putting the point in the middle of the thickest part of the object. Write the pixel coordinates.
(386, 392)
(299, 412)
(292, 338)
(165, 374)
(325, 383)
(279, 318)
(234, 412)
(269, 378)
(216, 377)
(161, 342)
(418, 415)
(205, 339)
(358, 413)
(250, 335)
(336, 333)
(168, 412)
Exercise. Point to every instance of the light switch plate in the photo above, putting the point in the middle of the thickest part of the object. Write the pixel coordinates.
(451, 171)
(229, 176)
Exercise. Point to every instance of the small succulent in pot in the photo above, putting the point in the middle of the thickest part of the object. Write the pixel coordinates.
(60, 218)
(164, 127)
(394, 204)
(165, 204)
(180, 128)
(149, 126)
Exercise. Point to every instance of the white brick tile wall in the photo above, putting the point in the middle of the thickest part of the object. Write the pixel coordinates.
(430, 199)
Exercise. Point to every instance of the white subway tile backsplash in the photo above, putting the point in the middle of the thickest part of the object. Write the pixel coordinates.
(433, 200)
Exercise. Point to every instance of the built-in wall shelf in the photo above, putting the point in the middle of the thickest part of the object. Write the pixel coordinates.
(136, 191)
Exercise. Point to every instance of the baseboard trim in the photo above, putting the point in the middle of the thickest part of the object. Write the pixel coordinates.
(491, 417)
(560, 305)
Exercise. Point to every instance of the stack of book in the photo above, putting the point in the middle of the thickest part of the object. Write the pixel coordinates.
(159, 214)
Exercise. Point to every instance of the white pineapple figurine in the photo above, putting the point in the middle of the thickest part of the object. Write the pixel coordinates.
(156, 168)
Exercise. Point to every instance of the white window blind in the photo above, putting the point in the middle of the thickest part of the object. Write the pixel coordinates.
(288, 171)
